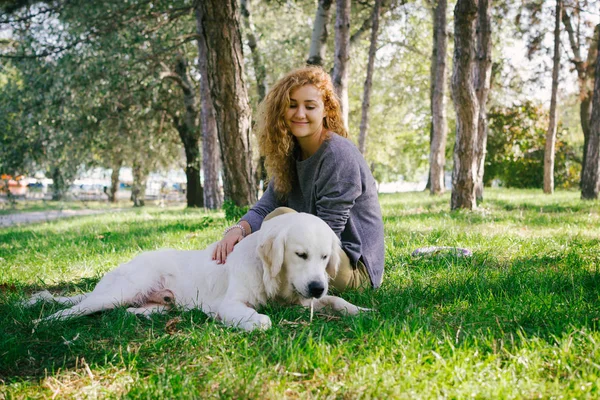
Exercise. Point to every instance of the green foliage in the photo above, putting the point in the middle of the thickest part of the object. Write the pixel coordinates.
(234, 212)
(519, 319)
(515, 149)
(101, 100)
(97, 102)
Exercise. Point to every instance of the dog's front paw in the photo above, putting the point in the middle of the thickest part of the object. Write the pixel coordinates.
(36, 297)
(354, 310)
(258, 321)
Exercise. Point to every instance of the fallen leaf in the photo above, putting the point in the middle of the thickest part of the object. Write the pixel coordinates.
(171, 326)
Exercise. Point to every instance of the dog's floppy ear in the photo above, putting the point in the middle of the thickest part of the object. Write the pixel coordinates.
(271, 251)
(334, 259)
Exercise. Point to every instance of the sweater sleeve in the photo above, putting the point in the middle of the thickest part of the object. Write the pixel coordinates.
(267, 203)
(338, 186)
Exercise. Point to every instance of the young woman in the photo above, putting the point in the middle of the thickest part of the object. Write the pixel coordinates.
(314, 168)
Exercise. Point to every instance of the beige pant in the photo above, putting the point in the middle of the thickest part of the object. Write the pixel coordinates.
(348, 276)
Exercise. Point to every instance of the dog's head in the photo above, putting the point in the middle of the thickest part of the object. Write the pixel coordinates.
(299, 253)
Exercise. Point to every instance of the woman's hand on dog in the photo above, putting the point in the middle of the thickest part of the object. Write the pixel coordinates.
(226, 245)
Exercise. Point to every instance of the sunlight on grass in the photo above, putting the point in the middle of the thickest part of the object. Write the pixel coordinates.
(518, 319)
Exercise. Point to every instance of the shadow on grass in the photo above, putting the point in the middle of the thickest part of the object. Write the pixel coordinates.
(541, 296)
(30, 352)
(475, 300)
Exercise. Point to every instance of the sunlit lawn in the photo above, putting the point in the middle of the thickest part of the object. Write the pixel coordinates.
(19, 206)
(517, 320)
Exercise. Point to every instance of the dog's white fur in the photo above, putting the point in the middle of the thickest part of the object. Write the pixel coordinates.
(289, 259)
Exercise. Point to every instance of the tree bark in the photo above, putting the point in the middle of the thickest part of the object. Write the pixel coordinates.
(483, 73)
(342, 55)
(590, 183)
(194, 193)
(318, 42)
(59, 184)
(188, 128)
(585, 77)
(220, 28)
(138, 188)
(114, 178)
(260, 72)
(211, 154)
(551, 133)
(466, 106)
(439, 124)
(364, 121)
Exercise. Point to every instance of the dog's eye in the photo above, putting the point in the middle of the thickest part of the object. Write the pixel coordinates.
(324, 257)
(303, 256)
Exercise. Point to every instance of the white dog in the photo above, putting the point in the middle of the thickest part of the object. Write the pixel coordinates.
(290, 259)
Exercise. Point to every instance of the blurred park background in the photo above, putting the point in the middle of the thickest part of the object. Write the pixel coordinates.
(138, 100)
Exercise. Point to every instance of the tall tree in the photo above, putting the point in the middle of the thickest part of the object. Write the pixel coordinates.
(364, 121)
(318, 42)
(220, 27)
(260, 75)
(260, 72)
(590, 183)
(549, 152)
(342, 54)
(585, 74)
(188, 127)
(466, 106)
(483, 73)
(439, 124)
(211, 154)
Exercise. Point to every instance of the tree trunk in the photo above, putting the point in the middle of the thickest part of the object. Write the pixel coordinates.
(585, 77)
(342, 55)
(260, 72)
(189, 131)
(483, 73)
(439, 124)
(194, 193)
(114, 179)
(220, 28)
(138, 188)
(364, 121)
(190, 135)
(211, 155)
(466, 106)
(585, 108)
(585, 112)
(551, 133)
(318, 42)
(59, 184)
(590, 184)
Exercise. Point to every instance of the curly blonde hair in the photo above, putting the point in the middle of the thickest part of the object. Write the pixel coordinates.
(275, 139)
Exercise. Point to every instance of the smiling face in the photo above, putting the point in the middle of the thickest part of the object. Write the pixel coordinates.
(304, 116)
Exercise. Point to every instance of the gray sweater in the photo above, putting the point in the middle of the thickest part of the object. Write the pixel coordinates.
(336, 185)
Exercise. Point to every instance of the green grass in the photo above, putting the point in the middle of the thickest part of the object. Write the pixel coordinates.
(519, 319)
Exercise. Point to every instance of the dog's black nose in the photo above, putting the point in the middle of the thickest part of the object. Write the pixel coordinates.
(316, 289)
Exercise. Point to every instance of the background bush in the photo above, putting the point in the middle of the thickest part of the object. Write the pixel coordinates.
(515, 149)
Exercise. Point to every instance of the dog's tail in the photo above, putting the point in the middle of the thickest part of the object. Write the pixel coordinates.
(45, 296)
